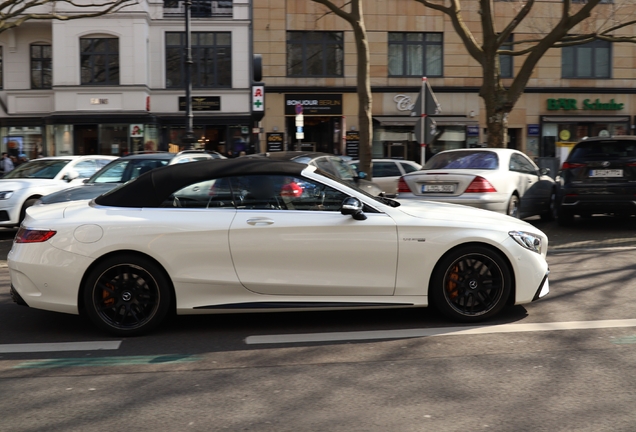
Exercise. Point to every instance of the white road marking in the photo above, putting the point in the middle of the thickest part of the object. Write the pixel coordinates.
(442, 331)
(59, 346)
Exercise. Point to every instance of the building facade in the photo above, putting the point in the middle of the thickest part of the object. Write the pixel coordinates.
(115, 84)
(309, 59)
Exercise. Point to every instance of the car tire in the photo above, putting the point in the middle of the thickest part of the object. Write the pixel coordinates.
(127, 295)
(564, 217)
(28, 203)
(471, 284)
(551, 213)
(513, 206)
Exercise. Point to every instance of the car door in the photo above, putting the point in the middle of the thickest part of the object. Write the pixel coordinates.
(530, 191)
(294, 241)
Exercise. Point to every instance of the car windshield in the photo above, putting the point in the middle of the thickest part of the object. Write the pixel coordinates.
(380, 199)
(42, 169)
(604, 149)
(122, 170)
(483, 160)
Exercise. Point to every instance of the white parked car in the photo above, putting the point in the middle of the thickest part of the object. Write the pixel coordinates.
(256, 234)
(498, 179)
(387, 172)
(23, 186)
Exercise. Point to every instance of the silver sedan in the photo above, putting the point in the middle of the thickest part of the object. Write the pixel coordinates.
(497, 179)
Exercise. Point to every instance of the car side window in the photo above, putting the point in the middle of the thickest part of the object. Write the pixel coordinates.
(518, 163)
(386, 169)
(279, 192)
(408, 168)
(215, 193)
(86, 168)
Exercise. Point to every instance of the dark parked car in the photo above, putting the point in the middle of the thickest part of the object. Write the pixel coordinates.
(331, 164)
(122, 170)
(598, 177)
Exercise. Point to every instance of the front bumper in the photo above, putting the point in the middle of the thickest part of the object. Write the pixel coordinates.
(544, 288)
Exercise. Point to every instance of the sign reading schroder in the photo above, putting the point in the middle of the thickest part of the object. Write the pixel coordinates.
(275, 141)
(201, 103)
(314, 104)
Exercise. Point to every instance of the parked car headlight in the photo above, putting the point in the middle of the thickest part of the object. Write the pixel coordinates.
(5, 195)
(529, 241)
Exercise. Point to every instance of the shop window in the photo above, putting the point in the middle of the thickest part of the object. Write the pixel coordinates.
(315, 54)
(415, 54)
(505, 61)
(591, 60)
(211, 56)
(99, 61)
(41, 70)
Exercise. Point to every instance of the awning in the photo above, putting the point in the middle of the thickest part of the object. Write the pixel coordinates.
(582, 119)
(412, 120)
(397, 120)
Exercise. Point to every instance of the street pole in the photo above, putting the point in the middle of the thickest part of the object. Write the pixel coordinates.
(188, 138)
(423, 144)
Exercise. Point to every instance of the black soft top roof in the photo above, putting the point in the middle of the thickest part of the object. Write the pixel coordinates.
(154, 187)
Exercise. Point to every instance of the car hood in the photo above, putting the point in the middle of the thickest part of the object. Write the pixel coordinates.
(463, 214)
(83, 192)
(17, 184)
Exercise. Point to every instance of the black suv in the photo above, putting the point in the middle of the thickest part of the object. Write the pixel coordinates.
(598, 177)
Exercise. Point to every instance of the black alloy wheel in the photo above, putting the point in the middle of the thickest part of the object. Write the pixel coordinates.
(127, 295)
(551, 213)
(471, 284)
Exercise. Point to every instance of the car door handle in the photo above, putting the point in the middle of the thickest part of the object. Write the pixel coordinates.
(260, 221)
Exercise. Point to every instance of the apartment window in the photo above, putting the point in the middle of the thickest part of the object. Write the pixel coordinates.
(99, 61)
(315, 54)
(415, 54)
(41, 71)
(505, 61)
(591, 60)
(211, 56)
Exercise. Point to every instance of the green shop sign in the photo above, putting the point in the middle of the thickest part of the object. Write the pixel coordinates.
(572, 105)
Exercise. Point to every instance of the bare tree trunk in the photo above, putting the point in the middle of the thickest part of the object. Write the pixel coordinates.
(364, 99)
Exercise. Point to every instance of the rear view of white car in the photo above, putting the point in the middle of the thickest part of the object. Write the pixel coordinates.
(22, 187)
(497, 179)
(387, 172)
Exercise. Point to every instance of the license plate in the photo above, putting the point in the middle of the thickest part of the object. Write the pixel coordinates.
(438, 188)
(606, 173)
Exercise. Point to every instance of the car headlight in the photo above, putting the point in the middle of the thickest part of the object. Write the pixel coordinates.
(5, 195)
(529, 241)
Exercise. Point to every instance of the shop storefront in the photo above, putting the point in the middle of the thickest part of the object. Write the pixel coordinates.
(575, 119)
(323, 122)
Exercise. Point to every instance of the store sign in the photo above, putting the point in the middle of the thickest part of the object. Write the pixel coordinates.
(136, 130)
(275, 141)
(533, 130)
(314, 104)
(588, 105)
(353, 144)
(201, 103)
(403, 102)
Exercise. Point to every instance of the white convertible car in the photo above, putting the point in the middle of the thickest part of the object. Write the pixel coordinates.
(248, 235)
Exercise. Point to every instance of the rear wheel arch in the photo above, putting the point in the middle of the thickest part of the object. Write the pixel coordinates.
(438, 267)
(94, 264)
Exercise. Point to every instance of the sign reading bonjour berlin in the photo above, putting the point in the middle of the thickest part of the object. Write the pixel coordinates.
(314, 104)
(588, 105)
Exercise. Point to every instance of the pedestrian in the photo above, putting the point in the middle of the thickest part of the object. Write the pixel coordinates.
(6, 164)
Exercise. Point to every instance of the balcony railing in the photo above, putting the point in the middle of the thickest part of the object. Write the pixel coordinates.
(198, 9)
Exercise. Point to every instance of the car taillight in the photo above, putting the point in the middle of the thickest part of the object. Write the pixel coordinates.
(480, 185)
(25, 235)
(402, 186)
(570, 165)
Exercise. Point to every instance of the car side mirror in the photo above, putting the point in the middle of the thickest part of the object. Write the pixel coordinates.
(353, 206)
(544, 171)
(362, 175)
(70, 176)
